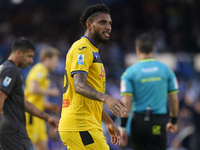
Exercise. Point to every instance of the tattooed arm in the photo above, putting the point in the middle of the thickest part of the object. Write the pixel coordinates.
(33, 110)
(116, 106)
(81, 87)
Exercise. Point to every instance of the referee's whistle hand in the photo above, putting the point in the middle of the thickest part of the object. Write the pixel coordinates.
(171, 127)
(116, 106)
(124, 136)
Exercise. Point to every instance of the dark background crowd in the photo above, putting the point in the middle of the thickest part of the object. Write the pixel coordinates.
(174, 25)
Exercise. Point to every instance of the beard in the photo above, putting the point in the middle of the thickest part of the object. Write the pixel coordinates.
(23, 65)
(99, 38)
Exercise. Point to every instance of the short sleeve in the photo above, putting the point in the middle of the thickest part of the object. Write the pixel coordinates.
(126, 87)
(172, 82)
(81, 60)
(7, 80)
(39, 76)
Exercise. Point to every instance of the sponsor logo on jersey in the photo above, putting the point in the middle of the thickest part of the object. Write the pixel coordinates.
(82, 48)
(80, 60)
(151, 79)
(65, 103)
(149, 70)
(103, 74)
(6, 81)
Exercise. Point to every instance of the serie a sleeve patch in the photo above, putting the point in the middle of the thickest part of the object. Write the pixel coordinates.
(80, 60)
(6, 81)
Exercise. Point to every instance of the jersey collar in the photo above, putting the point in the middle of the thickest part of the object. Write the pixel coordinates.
(147, 59)
(90, 41)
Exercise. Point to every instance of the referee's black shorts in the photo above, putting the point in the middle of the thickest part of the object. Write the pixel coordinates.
(15, 141)
(148, 135)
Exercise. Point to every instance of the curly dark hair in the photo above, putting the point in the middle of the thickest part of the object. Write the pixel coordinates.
(90, 12)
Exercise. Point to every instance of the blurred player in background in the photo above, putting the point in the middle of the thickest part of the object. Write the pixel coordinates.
(84, 87)
(145, 86)
(37, 87)
(13, 104)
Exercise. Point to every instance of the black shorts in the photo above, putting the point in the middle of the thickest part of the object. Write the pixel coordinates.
(15, 141)
(148, 135)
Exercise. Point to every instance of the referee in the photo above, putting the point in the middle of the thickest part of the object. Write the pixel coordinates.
(145, 86)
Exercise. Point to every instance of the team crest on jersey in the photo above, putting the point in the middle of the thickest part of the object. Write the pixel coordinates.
(6, 81)
(80, 60)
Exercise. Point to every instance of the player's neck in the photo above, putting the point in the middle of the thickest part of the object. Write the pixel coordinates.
(45, 63)
(145, 56)
(14, 59)
(91, 37)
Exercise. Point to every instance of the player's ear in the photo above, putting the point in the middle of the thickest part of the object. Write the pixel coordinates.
(137, 49)
(18, 52)
(88, 25)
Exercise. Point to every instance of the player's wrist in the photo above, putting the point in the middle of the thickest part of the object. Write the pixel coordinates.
(104, 98)
(121, 128)
(45, 116)
(124, 122)
(173, 120)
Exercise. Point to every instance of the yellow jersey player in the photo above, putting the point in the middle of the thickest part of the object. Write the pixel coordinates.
(84, 86)
(37, 87)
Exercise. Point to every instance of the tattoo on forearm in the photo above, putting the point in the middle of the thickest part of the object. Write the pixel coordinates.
(85, 89)
(41, 113)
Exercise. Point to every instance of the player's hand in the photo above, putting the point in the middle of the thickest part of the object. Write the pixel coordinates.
(116, 106)
(171, 127)
(114, 134)
(54, 92)
(124, 135)
(53, 122)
